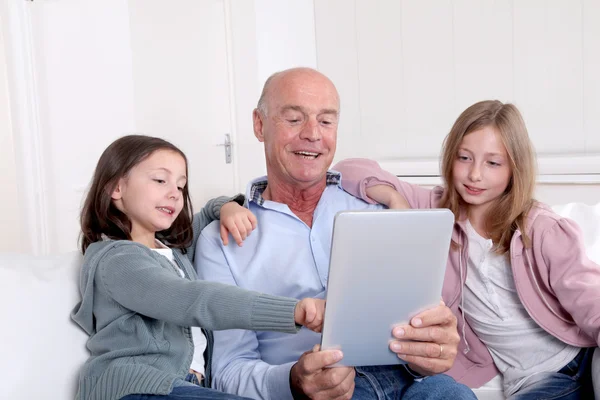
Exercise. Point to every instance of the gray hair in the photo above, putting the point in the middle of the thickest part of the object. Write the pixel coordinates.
(261, 106)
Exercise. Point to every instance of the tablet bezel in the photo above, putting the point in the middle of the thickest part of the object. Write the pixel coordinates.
(364, 302)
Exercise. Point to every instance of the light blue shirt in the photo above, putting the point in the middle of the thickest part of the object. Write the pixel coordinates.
(282, 256)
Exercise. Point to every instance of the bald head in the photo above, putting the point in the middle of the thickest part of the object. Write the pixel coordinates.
(297, 119)
(291, 77)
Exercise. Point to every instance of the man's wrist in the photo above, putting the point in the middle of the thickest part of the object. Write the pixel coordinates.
(297, 393)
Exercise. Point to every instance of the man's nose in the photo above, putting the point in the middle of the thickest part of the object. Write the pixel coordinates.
(311, 131)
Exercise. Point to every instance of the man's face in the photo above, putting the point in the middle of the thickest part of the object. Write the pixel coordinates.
(300, 128)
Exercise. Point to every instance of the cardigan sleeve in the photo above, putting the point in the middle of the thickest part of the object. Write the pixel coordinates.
(358, 174)
(137, 281)
(574, 278)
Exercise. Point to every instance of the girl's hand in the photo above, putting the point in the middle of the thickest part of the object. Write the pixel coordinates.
(310, 312)
(199, 376)
(238, 221)
(388, 196)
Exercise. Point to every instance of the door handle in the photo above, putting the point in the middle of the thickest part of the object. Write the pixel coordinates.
(227, 145)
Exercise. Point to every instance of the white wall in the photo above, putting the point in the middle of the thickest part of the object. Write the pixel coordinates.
(406, 69)
(11, 238)
(71, 94)
(84, 92)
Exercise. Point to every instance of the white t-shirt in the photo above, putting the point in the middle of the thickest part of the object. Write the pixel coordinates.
(198, 337)
(521, 349)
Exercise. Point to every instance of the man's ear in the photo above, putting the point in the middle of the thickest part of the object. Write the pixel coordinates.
(257, 122)
(118, 192)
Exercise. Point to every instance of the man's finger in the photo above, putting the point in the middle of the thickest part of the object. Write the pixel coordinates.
(338, 383)
(430, 366)
(253, 221)
(421, 349)
(437, 334)
(440, 315)
(315, 361)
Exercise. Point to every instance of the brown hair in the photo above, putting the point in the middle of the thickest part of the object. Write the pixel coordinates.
(99, 216)
(509, 211)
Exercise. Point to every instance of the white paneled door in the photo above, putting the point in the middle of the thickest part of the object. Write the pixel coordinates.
(92, 71)
(182, 88)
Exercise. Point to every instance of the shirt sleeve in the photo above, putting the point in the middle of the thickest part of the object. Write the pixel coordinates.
(237, 366)
(358, 174)
(574, 278)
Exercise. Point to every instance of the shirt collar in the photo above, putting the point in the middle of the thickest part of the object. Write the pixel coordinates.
(256, 188)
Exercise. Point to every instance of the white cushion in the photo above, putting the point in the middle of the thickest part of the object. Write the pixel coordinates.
(588, 219)
(42, 349)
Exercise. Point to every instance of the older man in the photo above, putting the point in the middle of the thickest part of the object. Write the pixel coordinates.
(288, 254)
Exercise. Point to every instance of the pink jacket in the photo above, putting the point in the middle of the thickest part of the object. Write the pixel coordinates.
(556, 281)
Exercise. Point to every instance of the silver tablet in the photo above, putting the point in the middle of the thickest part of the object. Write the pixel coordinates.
(385, 267)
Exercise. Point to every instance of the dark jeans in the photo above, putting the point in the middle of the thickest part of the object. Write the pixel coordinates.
(190, 392)
(394, 383)
(187, 393)
(572, 382)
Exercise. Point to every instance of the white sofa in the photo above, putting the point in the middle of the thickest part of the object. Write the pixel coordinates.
(43, 348)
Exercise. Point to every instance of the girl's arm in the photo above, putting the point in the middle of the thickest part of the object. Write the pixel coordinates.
(237, 221)
(386, 195)
(211, 212)
(137, 281)
(574, 278)
(361, 176)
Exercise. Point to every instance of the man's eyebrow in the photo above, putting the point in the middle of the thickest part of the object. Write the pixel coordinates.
(292, 107)
(329, 111)
(303, 111)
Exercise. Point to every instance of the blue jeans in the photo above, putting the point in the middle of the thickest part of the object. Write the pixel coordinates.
(394, 382)
(572, 382)
(191, 392)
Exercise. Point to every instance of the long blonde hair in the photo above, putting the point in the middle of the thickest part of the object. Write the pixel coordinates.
(509, 211)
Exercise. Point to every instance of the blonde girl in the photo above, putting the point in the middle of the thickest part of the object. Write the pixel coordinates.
(526, 296)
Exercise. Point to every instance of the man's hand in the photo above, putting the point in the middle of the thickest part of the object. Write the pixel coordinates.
(237, 220)
(430, 343)
(310, 379)
(310, 312)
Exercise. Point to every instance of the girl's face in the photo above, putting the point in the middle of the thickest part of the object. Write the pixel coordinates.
(151, 195)
(481, 169)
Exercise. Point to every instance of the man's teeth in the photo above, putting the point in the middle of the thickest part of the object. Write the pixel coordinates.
(307, 153)
(165, 210)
